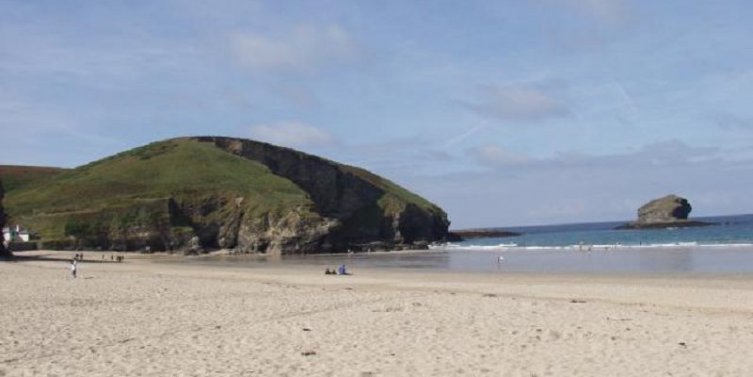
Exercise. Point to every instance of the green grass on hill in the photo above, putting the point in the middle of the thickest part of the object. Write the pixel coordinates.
(125, 184)
(132, 190)
(151, 172)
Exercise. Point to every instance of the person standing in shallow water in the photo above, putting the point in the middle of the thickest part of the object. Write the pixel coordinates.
(74, 267)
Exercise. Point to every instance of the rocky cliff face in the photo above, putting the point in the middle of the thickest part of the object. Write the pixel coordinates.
(665, 212)
(3, 252)
(346, 200)
(228, 193)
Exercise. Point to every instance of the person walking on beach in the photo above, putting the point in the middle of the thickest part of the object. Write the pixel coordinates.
(74, 267)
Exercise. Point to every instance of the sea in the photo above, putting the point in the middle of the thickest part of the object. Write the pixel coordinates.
(724, 248)
(725, 231)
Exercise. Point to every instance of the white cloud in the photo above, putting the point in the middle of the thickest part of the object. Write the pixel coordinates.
(292, 134)
(496, 156)
(306, 48)
(518, 103)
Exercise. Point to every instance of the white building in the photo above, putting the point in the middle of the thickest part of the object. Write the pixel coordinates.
(15, 234)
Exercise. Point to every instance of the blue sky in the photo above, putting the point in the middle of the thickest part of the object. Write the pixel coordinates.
(502, 112)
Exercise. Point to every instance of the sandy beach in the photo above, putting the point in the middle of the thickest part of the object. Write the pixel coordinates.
(141, 318)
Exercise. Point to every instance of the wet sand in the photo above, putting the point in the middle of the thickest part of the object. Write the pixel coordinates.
(683, 261)
(164, 319)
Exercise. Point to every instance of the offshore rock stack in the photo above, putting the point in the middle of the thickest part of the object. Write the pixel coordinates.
(670, 211)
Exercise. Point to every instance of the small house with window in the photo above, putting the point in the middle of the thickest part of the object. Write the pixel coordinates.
(16, 234)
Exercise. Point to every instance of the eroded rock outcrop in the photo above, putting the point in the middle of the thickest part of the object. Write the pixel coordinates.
(355, 207)
(665, 212)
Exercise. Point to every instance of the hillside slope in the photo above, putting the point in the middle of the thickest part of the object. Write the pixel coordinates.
(18, 176)
(203, 193)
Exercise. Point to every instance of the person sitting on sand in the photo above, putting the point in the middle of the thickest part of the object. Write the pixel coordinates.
(342, 271)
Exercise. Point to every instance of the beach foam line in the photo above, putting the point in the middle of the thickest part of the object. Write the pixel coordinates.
(474, 247)
(585, 247)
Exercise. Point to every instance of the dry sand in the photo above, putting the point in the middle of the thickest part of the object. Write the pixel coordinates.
(146, 319)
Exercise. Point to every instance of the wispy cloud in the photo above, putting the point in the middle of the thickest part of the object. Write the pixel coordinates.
(29, 120)
(587, 25)
(521, 103)
(292, 134)
(112, 59)
(664, 153)
(496, 156)
(305, 49)
(29, 124)
(730, 122)
(455, 139)
(522, 189)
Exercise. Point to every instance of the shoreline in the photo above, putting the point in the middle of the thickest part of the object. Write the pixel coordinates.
(165, 264)
(688, 262)
(596, 247)
(145, 317)
(173, 264)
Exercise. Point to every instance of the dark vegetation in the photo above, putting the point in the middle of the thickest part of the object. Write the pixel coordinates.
(16, 177)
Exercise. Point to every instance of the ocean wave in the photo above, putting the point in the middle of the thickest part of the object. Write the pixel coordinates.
(475, 247)
(584, 247)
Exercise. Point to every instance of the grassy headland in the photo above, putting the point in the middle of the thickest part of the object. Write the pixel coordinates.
(167, 192)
